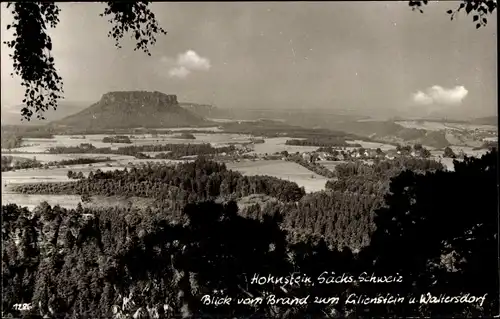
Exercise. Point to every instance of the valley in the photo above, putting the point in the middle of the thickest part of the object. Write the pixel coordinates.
(326, 184)
(261, 148)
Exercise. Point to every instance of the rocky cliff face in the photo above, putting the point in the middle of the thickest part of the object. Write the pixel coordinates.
(133, 109)
(139, 97)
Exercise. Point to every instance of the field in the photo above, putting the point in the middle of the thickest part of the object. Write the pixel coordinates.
(37, 148)
(282, 169)
(41, 145)
(45, 157)
(31, 201)
(277, 144)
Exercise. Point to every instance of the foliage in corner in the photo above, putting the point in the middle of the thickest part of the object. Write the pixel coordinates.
(479, 9)
(32, 46)
(136, 18)
(32, 60)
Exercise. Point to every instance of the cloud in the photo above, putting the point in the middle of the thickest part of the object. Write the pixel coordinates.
(192, 61)
(186, 63)
(179, 72)
(440, 95)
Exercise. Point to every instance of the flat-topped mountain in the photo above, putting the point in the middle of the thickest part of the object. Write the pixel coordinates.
(132, 109)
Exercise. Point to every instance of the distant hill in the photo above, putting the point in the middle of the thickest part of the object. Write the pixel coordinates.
(490, 120)
(12, 115)
(391, 132)
(133, 109)
(204, 110)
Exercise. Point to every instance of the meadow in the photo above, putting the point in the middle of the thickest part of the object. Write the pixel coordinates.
(41, 145)
(277, 144)
(285, 170)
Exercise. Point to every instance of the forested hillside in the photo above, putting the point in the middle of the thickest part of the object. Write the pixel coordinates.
(160, 262)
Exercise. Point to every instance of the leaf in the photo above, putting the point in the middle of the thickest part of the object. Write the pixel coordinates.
(449, 11)
(475, 18)
(478, 26)
(8, 26)
(469, 7)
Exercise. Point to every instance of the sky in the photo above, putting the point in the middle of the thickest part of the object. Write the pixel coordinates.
(374, 57)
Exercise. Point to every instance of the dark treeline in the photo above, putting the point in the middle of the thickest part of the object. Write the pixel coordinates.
(117, 139)
(172, 151)
(322, 142)
(117, 262)
(10, 163)
(185, 136)
(78, 161)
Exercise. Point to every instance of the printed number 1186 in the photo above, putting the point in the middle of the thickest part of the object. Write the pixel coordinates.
(22, 306)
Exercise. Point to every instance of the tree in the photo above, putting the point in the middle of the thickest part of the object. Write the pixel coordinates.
(85, 198)
(448, 152)
(425, 153)
(32, 45)
(431, 232)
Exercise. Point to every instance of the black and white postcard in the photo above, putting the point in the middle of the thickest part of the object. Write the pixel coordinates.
(249, 159)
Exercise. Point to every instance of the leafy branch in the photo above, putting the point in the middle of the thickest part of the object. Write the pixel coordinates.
(33, 62)
(32, 46)
(479, 9)
(134, 17)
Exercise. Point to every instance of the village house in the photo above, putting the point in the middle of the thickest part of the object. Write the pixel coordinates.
(372, 153)
(323, 156)
(391, 154)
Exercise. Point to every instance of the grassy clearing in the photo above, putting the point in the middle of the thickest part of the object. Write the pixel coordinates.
(281, 169)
